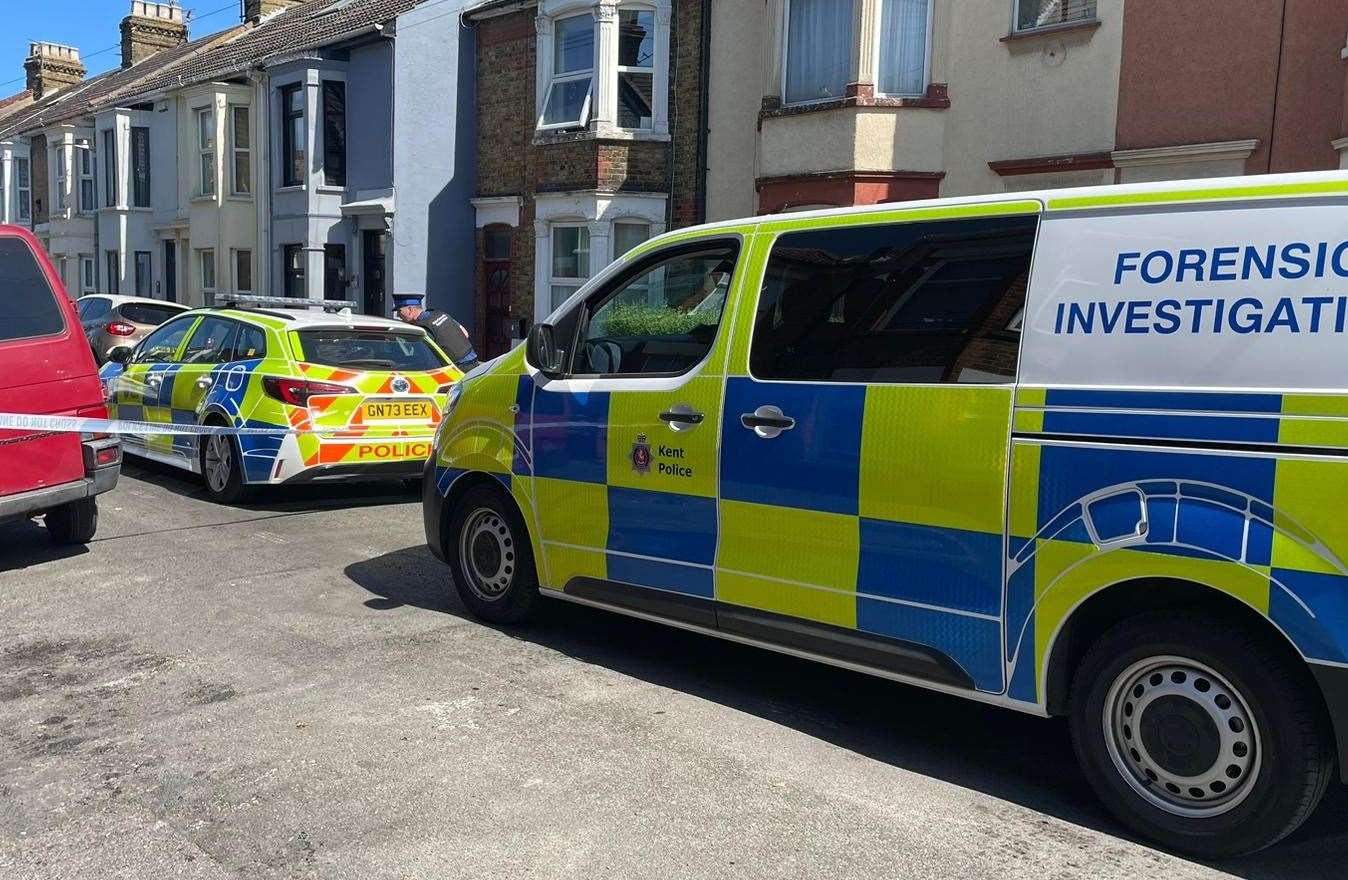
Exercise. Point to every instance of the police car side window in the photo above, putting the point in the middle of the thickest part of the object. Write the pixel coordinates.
(661, 319)
(904, 303)
(212, 343)
(249, 344)
(161, 346)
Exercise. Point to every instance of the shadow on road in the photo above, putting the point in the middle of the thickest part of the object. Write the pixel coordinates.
(25, 543)
(277, 499)
(1015, 757)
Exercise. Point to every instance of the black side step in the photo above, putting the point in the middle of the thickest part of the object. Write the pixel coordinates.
(826, 640)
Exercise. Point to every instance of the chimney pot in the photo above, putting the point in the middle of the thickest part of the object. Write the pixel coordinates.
(51, 67)
(151, 27)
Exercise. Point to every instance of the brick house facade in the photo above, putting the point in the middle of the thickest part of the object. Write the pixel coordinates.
(589, 186)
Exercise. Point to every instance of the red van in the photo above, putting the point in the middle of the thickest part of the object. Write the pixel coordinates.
(46, 368)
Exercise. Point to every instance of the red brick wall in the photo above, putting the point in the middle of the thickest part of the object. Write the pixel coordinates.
(1212, 74)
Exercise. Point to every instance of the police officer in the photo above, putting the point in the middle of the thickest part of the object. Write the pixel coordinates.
(448, 333)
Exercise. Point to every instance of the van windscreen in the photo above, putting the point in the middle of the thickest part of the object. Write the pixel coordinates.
(369, 349)
(28, 306)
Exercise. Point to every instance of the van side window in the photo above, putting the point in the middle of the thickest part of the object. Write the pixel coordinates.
(662, 319)
(910, 302)
(28, 307)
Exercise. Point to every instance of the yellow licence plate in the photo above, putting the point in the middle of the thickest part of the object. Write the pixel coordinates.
(397, 411)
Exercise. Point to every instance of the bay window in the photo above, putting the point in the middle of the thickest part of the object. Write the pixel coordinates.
(636, 67)
(206, 149)
(241, 156)
(818, 50)
(334, 132)
(570, 246)
(61, 200)
(627, 234)
(23, 188)
(567, 101)
(293, 156)
(88, 194)
(904, 29)
(140, 166)
(110, 167)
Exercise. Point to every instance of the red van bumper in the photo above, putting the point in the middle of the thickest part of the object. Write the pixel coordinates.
(102, 467)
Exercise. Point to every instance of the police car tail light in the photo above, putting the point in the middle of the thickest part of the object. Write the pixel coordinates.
(297, 392)
(117, 328)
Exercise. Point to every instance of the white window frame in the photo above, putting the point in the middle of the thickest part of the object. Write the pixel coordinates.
(62, 174)
(573, 283)
(631, 221)
(235, 150)
(878, 49)
(85, 153)
(234, 256)
(23, 195)
(88, 274)
(786, 59)
(1017, 29)
(554, 78)
(653, 70)
(206, 260)
(205, 154)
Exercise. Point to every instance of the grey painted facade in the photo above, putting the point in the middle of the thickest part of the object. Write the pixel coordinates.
(433, 241)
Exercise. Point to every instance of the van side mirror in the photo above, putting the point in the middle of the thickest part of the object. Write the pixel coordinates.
(541, 350)
(119, 355)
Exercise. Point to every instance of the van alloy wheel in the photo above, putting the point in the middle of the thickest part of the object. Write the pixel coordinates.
(1182, 736)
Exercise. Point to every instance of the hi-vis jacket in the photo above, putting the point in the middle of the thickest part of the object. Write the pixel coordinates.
(1173, 415)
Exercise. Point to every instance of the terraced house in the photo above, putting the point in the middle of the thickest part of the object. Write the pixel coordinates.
(256, 160)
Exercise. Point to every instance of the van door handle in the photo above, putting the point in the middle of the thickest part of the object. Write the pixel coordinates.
(681, 416)
(767, 421)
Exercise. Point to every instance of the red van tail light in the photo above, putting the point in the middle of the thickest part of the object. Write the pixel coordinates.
(117, 328)
(297, 392)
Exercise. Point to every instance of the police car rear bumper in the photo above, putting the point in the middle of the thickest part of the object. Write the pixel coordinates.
(1333, 681)
(351, 472)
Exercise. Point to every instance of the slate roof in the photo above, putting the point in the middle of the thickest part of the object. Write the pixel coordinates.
(224, 53)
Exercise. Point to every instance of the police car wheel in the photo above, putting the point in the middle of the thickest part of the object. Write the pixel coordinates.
(1202, 734)
(222, 471)
(491, 560)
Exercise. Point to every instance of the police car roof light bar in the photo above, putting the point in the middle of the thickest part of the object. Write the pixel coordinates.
(327, 305)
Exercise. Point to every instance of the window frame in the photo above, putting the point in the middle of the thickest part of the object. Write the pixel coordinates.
(1017, 29)
(620, 280)
(235, 150)
(149, 272)
(786, 53)
(205, 153)
(23, 194)
(111, 191)
(246, 255)
(113, 258)
(288, 118)
(326, 87)
(133, 178)
(878, 50)
(574, 283)
(206, 258)
(554, 78)
(89, 278)
(752, 301)
(619, 68)
(62, 176)
(85, 163)
(287, 273)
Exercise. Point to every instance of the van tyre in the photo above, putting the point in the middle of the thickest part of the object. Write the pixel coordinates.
(73, 523)
(490, 558)
(222, 469)
(1199, 733)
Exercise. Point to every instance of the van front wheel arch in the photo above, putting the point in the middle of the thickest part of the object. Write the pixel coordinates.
(1198, 732)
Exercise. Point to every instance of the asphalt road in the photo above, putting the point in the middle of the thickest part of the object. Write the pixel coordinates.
(288, 690)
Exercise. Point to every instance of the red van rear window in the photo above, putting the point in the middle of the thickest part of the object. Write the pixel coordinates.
(28, 307)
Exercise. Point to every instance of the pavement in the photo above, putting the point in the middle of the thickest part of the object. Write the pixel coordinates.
(289, 690)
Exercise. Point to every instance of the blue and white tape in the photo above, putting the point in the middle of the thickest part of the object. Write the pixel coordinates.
(80, 425)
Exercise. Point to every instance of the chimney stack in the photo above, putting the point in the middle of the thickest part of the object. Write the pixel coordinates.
(151, 27)
(51, 67)
(256, 10)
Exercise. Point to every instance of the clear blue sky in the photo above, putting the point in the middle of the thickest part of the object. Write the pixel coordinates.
(88, 25)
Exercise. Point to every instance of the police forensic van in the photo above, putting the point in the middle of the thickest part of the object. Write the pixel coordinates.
(1079, 453)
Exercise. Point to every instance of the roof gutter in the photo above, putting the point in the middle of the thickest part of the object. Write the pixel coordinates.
(495, 8)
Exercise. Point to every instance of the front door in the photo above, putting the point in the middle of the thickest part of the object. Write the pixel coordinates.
(624, 446)
(863, 456)
(496, 274)
(170, 271)
(372, 254)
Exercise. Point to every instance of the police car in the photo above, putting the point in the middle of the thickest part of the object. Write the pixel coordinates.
(354, 397)
(1077, 452)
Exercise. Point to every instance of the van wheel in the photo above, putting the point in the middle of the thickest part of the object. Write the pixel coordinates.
(490, 557)
(73, 523)
(1200, 733)
(222, 470)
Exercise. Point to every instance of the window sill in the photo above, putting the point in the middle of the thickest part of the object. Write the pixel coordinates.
(290, 188)
(239, 197)
(331, 189)
(937, 97)
(200, 199)
(570, 136)
(1052, 30)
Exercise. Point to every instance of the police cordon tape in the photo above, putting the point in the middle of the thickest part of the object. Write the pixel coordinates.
(81, 425)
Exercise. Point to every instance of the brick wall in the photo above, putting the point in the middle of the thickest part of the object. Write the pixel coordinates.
(513, 160)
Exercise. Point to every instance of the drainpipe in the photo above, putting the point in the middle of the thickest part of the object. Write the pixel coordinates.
(704, 123)
(262, 176)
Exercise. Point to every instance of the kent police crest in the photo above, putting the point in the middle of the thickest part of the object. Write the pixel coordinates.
(641, 455)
